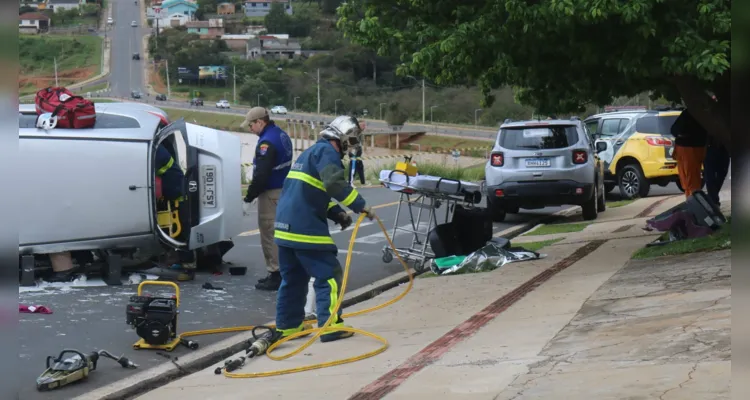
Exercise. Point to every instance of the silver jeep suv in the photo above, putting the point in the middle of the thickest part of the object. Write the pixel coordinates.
(541, 163)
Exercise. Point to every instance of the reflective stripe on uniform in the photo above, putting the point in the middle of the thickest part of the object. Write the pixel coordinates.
(296, 237)
(331, 205)
(292, 331)
(282, 166)
(164, 169)
(309, 179)
(350, 199)
(334, 299)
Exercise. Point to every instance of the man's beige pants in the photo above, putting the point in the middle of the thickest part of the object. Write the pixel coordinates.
(267, 202)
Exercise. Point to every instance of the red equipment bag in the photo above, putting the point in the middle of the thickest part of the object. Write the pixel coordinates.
(72, 111)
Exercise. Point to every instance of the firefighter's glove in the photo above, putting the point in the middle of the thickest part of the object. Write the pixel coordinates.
(369, 213)
(344, 219)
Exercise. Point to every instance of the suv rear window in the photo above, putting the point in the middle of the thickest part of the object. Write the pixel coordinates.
(659, 125)
(538, 137)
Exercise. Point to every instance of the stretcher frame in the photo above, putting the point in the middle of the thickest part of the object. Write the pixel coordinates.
(429, 200)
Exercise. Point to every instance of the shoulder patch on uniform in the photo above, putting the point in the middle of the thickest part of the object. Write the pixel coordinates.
(263, 149)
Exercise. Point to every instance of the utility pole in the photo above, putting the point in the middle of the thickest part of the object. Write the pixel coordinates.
(423, 113)
(234, 83)
(318, 90)
(169, 91)
(56, 84)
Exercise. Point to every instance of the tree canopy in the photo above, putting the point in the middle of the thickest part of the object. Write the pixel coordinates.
(560, 55)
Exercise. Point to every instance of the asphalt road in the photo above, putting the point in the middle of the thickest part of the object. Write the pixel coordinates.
(126, 74)
(93, 317)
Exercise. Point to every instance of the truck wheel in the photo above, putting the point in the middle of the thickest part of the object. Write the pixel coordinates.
(496, 212)
(590, 206)
(632, 182)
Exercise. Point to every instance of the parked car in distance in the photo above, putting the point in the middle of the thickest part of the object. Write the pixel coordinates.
(195, 101)
(161, 97)
(110, 21)
(222, 104)
(278, 110)
(136, 56)
(133, 24)
(537, 164)
(136, 94)
(121, 214)
(639, 147)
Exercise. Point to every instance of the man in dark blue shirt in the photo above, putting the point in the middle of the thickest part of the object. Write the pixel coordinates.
(271, 164)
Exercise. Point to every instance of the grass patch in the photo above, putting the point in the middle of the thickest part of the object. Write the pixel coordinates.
(78, 58)
(719, 240)
(207, 93)
(470, 174)
(36, 54)
(94, 88)
(618, 203)
(558, 228)
(536, 246)
(440, 143)
(225, 122)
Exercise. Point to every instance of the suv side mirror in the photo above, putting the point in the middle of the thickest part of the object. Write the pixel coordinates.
(601, 146)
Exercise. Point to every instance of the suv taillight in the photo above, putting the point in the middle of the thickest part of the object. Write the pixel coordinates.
(580, 156)
(497, 159)
(658, 141)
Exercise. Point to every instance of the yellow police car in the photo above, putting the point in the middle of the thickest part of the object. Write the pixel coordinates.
(639, 149)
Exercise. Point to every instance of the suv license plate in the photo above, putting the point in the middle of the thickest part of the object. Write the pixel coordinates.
(208, 185)
(538, 162)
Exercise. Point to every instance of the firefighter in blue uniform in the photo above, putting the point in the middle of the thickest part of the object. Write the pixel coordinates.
(306, 248)
(273, 159)
(172, 180)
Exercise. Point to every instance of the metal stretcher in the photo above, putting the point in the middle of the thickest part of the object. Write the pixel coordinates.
(426, 193)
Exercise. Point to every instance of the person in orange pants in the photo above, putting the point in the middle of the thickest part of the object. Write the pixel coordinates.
(689, 151)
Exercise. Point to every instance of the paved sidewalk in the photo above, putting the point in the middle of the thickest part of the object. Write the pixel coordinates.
(584, 322)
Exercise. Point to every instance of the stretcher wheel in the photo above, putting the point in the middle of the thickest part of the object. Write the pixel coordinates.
(387, 256)
(421, 266)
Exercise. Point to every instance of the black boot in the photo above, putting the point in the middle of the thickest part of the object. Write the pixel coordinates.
(270, 283)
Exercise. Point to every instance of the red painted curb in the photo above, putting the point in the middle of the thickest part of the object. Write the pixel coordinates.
(391, 380)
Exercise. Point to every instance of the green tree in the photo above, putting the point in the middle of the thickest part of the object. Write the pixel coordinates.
(330, 6)
(277, 20)
(205, 7)
(395, 116)
(561, 55)
(250, 90)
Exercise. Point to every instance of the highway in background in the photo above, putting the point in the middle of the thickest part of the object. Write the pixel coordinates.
(372, 124)
(126, 74)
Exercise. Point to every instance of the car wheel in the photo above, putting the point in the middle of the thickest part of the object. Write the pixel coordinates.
(512, 209)
(632, 182)
(590, 206)
(497, 213)
(601, 202)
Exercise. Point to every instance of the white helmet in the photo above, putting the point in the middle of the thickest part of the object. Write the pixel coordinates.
(46, 121)
(345, 129)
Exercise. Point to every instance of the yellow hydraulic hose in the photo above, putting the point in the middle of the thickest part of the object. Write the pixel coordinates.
(325, 328)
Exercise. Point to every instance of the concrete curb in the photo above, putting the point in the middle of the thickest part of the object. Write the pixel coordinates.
(203, 358)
